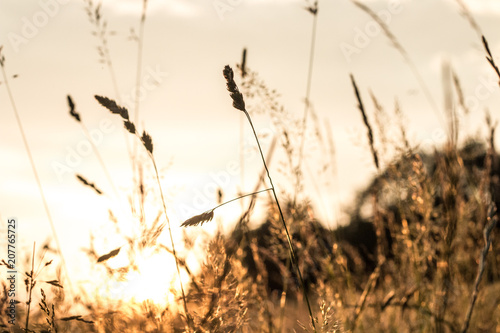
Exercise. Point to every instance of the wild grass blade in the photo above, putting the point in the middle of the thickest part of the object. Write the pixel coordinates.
(239, 104)
(314, 11)
(367, 124)
(397, 45)
(74, 113)
(147, 142)
(209, 214)
(34, 169)
(487, 235)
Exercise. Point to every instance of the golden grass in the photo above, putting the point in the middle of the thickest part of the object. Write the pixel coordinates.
(423, 259)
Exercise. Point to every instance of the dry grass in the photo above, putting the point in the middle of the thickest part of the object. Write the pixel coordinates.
(420, 252)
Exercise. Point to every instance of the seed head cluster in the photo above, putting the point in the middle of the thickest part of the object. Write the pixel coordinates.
(235, 94)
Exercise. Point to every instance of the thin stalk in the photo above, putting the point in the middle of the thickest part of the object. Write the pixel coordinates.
(35, 172)
(489, 57)
(242, 156)
(335, 174)
(125, 138)
(30, 289)
(99, 158)
(208, 215)
(367, 124)
(282, 311)
(239, 104)
(293, 257)
(242, 134)
(406, 57)
(96, 19)
(109, 64)
(138, 73)
(148, 145)
(468, 16)
(308, 91)
(370, 285)
(140, 40)
(112, 74)
(174, 252)
(171, 241)
(242, 196)
(488, 229)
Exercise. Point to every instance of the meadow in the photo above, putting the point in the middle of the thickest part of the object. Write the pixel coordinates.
(419, 251)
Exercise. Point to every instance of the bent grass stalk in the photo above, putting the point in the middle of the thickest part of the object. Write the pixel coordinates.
(209, 214)
(35, 171)
(77, 117)
(488, 229)
(406, 57)
(370, 284)
(367, 123)
(239, 103)
(468, 16)
(100, 25)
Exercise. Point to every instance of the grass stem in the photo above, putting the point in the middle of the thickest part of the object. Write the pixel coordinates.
(292, 252)
(31, 282)
(314, 11)
(488, 229)
(35, 171)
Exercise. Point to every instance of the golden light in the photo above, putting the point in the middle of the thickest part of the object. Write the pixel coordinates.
(154, 279)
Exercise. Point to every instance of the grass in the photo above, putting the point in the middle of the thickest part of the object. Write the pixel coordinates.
(33, 165)
(239, 104)
(147, 142)
(420, 252)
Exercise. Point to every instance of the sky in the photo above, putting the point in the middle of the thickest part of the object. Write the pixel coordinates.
(49, 47)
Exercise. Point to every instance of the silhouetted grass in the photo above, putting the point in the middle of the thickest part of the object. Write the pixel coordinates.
(419, 253)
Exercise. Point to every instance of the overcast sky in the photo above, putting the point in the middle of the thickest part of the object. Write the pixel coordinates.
(48, 45)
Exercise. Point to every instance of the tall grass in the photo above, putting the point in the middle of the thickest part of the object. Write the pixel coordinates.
(34, 167)
(419, 253)
(147, 143)
(313, 9)
(239, 103)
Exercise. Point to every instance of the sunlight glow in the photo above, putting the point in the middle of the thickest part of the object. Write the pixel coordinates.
(155, 280)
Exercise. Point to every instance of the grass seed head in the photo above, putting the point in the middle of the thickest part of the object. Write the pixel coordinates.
(72, 111)
(109, 255)
(89, 184)
(129, 126)
(112, 106)
(235, 94)
(147, 141)
(199, 219)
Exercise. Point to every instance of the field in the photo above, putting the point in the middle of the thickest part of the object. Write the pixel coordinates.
(418, 250)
